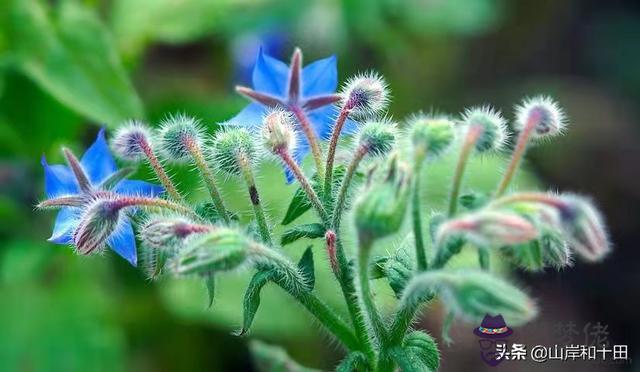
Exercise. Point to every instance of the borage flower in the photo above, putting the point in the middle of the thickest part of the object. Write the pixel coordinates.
(84, 180)
(308, 93)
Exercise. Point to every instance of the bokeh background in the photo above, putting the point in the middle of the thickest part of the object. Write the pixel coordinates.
(68, 67)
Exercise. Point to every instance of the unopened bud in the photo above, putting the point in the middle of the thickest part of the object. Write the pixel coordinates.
(98, 221)
(229, 146)
(377, 137)
(222, 249)
(488, 229)
(547, 116)
(381, 208)
(180, 134)
(365, 95)
(584, 228)
(130, 141)
(432, 136)
(278, 131)
(493, 134)
(169, 232)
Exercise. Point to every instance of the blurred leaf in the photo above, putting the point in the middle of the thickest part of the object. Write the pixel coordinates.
(68, 52)
(311, 231)
(252, 298)
(274, 359)
(210, 283)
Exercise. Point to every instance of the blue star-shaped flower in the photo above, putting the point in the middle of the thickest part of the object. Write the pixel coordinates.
(95, 172)
(309, 92)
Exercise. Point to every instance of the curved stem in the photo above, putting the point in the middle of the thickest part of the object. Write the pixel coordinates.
(373, 314)
(472, 136)
(209, 180)
(421, 255)
(304, 183)
(518, 153)
(344, 187)
(258, 211)
(307, 128)
(136, 201)
(159, 171)
(331, 154)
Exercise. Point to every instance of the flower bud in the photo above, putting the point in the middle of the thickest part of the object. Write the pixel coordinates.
(179, 135)
(161, 232)
(584, 228)
(493, 134)
(432, 136)
(229, 145)
(278, 132)
(377, 137)
(549, 118)
(222, 249)
(555, 251)
(381, 208)
(130, 140)
(488, 229)
(98, 221)
(472, 294)
(365, 95)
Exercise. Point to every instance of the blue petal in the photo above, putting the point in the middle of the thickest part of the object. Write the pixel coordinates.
(350, 127)
(322, 120)
(270, 75)
(298, 156)
(66, 222)
(141, 188)
(250, 117)
(58, 180)
(98, 161)
(320, 77)
(123, 242)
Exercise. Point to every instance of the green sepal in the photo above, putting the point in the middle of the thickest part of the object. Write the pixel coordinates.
(210, 283)
(407, 361)
(310, 231)
(307, 268)
(399, 270)
(473, 200)
(251, 301)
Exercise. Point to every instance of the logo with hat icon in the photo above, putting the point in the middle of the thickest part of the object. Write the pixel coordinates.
(492, 331)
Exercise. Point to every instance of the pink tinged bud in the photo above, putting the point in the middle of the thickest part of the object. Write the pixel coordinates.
(544, 114)
(169, 232)
(330, 238)
(489, 229)
(278, 132)
(131, 141)
(365, 95)
(98, 221)
(584, 228)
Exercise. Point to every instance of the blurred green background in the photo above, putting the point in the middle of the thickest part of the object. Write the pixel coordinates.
(68, 67)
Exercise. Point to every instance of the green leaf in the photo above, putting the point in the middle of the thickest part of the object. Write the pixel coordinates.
(399, 270)
(306, 267)
(376, 267)
(311, 231)
(69, 53)
(270, 358)
(210, 283)
(252, 298)
(424, 347)
(408, 362)
(355, 361)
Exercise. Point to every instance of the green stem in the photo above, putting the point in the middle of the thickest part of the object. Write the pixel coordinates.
(331, 154)
(304, 184)
(518, 153)
(307, 128)
(344, 186)
(159, 171)
(484, 259)
(421, 255)
(470, 140)
(141, 201)
(209, 180)
(254, 196)
(373, 314)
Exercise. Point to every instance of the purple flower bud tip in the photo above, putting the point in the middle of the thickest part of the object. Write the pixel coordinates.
(365, 95)
(544, 114)
(131, 140)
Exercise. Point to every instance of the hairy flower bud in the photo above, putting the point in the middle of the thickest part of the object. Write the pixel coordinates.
(488, 229)
(584, 228)
(365, 95)
(130, 140)
(179, 134)
(98, 221)
(377, 137)
(381, 208)
(278, 132)
(222, 249)
(229, 146)
(432, 136)
(472, 294)
(161, 232)
(493, 134)
(549, 118)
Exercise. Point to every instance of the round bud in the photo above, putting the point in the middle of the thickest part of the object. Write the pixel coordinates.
(377, 137)
(179, 135)
(230, 147)
(130, 140)
(365, 95)
(98, 221)
(278, 132)
(493, 134)
(433, 136)
(549, 118)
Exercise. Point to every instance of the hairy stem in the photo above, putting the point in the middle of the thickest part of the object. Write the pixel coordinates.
(421, 255)
(372, 312)
(209, 180)
(470, 140)
(163, 177)
(518, 153)
(258, 211)
(344, 186)
(331, 154)
(141, 201)
(307, 128)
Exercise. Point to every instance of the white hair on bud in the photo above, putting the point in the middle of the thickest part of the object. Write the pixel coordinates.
(365, 95)
(494, 127)
(550, 116)
(178, 134)
(278, 131)
(130, 139)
